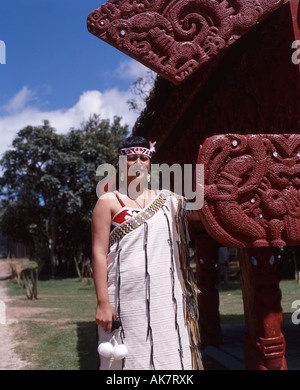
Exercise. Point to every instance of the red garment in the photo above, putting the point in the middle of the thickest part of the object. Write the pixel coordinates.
(123, 214)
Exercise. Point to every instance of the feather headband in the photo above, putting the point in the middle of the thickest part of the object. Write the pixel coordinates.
(138, 150)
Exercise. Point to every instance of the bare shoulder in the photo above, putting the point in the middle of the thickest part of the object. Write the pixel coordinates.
(104, 204)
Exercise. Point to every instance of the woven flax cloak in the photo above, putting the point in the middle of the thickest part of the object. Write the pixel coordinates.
(152, 290)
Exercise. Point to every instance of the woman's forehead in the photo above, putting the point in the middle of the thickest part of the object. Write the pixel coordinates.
(137, 155)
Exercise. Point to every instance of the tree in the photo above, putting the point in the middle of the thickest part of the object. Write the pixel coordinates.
(141, 89)
(48, 188)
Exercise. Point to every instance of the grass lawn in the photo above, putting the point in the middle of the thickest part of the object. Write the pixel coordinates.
(58, 332)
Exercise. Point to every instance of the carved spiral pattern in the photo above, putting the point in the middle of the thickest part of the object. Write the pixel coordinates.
(252, 189)
(175, 38)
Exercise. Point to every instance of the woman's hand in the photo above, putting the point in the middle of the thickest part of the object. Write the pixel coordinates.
(104, 316)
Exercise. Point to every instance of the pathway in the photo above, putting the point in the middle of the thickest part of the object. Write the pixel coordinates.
(9, 359)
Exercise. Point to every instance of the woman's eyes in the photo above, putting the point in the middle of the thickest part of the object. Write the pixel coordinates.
(134, 158)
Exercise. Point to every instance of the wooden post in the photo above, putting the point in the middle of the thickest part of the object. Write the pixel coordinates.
(264, 342)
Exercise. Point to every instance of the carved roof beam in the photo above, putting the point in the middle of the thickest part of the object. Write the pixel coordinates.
(176, 38)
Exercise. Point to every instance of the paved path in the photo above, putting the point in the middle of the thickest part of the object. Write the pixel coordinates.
(9, 359)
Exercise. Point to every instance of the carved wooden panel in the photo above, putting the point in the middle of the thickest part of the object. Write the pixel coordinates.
(175, 38)
(252, 189)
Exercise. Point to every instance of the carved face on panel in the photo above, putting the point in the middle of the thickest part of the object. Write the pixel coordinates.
(175, 38)
(252, 189)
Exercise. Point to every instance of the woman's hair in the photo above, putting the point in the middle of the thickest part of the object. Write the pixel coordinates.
(134, 141)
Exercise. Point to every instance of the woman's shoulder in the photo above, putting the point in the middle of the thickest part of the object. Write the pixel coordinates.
(105, 202)
(107, 196)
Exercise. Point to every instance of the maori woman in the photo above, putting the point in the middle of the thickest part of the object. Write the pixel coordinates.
(146, 297)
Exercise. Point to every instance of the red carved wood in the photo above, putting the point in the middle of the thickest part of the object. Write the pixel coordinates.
(176, 38)
(254, 89)
(264, 342)
(252, 189)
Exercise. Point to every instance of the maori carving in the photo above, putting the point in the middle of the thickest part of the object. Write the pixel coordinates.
(264, 342)
(252, 189)
(175, 38)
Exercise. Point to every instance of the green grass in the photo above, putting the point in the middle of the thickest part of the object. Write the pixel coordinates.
(58, 330)
(231, 302)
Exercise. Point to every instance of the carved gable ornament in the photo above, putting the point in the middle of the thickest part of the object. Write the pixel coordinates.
(252, 189)
(175, 38)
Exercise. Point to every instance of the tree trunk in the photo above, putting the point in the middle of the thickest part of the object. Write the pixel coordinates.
(52, 242)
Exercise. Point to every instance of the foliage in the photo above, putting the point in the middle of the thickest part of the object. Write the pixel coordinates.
(48, 188)
(140, 90)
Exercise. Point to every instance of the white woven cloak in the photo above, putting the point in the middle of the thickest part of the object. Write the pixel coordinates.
(151, 289)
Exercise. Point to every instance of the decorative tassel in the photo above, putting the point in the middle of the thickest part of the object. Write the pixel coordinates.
(147, 282)
(191, 290)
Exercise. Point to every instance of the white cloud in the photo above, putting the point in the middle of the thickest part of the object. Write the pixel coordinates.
(19, 101)
(131, 70)
(21, 111)
(25, 108)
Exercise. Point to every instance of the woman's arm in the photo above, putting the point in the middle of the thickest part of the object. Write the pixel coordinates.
(101, 221)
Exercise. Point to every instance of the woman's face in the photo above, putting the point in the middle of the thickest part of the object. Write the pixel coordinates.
(138, 166)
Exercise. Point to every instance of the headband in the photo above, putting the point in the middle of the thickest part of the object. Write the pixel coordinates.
(138, 150)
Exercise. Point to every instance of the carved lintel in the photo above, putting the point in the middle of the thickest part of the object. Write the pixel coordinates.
(175, 38)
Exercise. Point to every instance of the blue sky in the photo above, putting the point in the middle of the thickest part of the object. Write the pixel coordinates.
(56, 70)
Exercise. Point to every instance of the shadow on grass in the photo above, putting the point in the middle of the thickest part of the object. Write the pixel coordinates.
(87, 345)
(232, 318)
